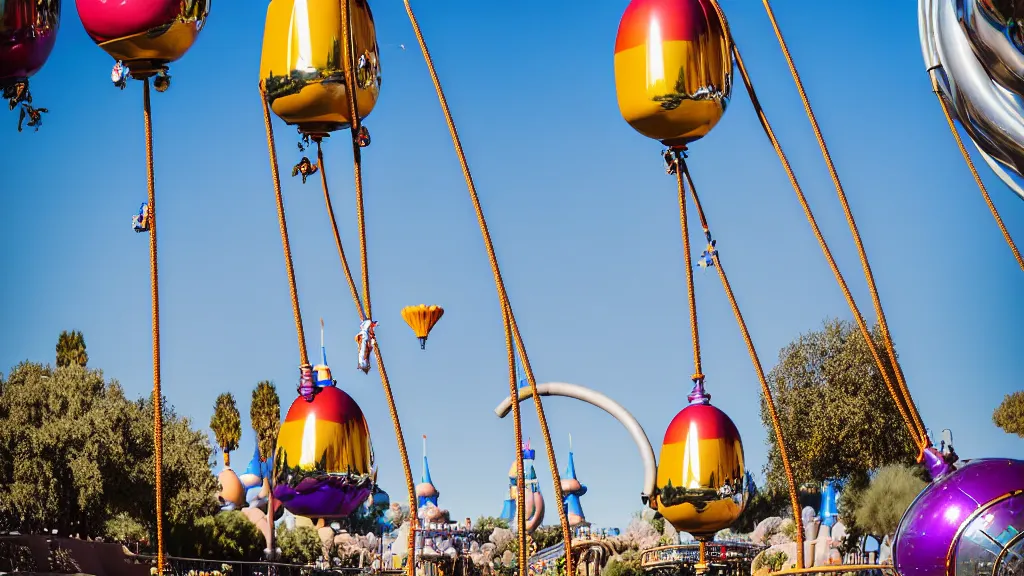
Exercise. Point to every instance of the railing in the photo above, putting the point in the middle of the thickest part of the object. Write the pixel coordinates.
(723, 558)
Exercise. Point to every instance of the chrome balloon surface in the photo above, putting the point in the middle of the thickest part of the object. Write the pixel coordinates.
(980, 92)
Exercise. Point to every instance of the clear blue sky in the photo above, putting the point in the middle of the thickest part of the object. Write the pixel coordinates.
(583, 216)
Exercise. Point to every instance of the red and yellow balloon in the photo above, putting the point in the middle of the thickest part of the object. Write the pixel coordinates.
(303, 66)
(673, 69)
(701, 476)
(144, 34)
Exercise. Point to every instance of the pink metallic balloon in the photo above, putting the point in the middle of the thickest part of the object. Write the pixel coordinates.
(109, 19)
(28, 30)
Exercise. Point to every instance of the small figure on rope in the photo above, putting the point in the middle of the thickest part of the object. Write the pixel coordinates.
(304, 167)
(34, 115)
(707, 258)
(140, 221)
(363, 137)
(670, 162)
(366, 340)
(303, 142)
(119, 75)
(162, 81)
(306, 388)
(17, 93)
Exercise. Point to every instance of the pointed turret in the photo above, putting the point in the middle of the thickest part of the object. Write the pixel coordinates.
(322, 372)
(572, 489)
(425, 490)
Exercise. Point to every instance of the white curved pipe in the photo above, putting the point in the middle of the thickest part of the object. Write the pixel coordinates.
(608, 405)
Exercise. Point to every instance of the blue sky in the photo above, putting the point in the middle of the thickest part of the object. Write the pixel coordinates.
(582, 214)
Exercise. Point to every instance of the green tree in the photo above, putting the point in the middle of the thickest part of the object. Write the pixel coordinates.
(887, 498)
(226, 536)
(75, 452)
(71, 349)
(226, 425)
(1010, 414)
(302, 545)
(265, 414)
(838, 419)
(485, 525)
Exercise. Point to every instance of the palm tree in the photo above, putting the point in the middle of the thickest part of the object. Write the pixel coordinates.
(227, 425)
(71, 349)
(265, 414)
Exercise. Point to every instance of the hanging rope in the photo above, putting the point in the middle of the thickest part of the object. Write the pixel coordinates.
(154, 283)
(364, 309)
(698, 375)
(337, 235)
(357, 172)
(517, 426)
(500, 286)
(883, 325)
(765, 390)
(283, 224)
(977, 178)
(858, 317)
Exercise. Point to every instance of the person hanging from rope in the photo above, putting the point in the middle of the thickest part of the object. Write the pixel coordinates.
(707, 258)
(119, 75)
(366, 340)
(363, 137)
(140, 221)
(304, 167)
(670, 162)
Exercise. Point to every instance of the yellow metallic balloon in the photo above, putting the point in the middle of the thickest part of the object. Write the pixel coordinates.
(673, 69)
(421, 319)
(701, 477)
(303, 67)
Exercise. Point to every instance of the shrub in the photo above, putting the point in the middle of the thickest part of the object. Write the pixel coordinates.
(15, 557)
(300, 546)
(61, 561)
(887, 498)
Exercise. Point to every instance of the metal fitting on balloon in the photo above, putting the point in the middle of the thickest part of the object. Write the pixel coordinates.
(933, 461)
(307, 386)
(698, 395)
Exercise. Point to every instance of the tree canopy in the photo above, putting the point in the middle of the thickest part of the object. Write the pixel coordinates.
(887, 498)
(838, 419)
(76, 455)
(265, 414)
(226, 424)
(71, 349)
(1009, 415)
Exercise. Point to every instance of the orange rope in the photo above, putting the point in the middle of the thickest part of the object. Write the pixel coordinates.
(500, 285)
(517, 425)
(337, 234)
(977, 178)
(366, 311)
(883, 325)
(283, 225)
(154, 282)
(698, 375)
(858, 317)
(765, 389)
(357, 172)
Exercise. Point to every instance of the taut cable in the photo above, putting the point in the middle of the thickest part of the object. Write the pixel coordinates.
(698, 375)
(883, 325)
(517, 426)
(154, 282)
(283, 225)
(765, 389)
(858, 317)
(337, 235)
(499, 285)
(977, 178)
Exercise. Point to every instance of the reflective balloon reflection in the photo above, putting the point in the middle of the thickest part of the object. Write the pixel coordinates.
(701, 477)
(974, 52)
(303, 63)
(673, 69)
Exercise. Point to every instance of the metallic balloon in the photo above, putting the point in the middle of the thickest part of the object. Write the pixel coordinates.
(701, 477)
(303, 63)
(973, 50)
(967, 521)
(144, 34)
(324, 462)
(673, 69)
(28, 30)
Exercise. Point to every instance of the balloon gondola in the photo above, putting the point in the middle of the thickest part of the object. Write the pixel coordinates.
(422, 318)
(324, 459)
(28, 31)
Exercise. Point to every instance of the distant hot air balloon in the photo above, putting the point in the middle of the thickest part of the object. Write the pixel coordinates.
(421, 319)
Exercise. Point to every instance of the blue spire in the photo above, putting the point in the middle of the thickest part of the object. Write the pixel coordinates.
(508, 511)
(573, 506)
(570, 473)
(425, 479)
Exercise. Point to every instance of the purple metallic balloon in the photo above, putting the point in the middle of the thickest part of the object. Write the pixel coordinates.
(967, 521)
